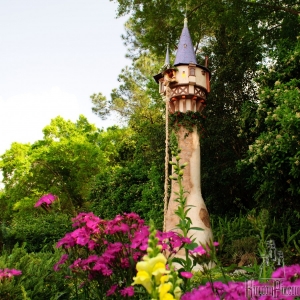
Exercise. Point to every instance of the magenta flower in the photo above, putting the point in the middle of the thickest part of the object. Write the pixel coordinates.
(112, 290)
(100, 248)
(9, 273)
(46, 200)
(140, 239)
(81, 235)
(89, 220)
(128, 291)
(62, 260)
(186, 274)
(67, 241)
(172, 241)
(198, 250)
(290, 272)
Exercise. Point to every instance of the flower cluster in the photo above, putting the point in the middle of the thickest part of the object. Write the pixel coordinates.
(153, 275)
(107, 251)
(289, 278)
(290, 273)
(9, 273)
(46, 200)
(218, 290)
(171, 241)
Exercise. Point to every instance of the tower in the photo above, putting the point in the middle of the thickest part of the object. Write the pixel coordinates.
(185, 88)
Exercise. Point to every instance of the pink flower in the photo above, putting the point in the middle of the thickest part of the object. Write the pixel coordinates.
(15, 272)
(67, 241)
(186, 274)
(81, 235)
(133, 216)
(128, 291)
(112, 290)
(46, 200)
(287, 272)
(62, 260)
(172, 241)
(89, 220)
(125, 263)
(199, 250)
(140, 239)
(8, 273)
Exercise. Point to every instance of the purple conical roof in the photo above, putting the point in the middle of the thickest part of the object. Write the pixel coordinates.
(185, 52)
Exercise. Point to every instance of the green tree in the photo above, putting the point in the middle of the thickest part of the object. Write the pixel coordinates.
(65, 163)
(237, 36)
(136, 97)
(136, 183)
(273, 157)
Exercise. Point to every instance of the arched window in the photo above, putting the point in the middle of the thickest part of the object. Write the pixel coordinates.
(192, 71)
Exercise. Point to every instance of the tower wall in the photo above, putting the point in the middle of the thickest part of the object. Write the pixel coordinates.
(190, 153)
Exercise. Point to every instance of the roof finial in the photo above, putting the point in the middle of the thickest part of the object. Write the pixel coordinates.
(185, 16)
(167, 60)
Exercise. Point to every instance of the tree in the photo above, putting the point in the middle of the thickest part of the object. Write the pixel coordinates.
(237, 36)
(273, 157)
(136, 184)
(135, 97)
(62, 163)
(65, 163)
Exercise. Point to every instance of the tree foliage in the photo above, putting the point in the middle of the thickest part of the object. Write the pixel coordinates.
(237, 36)
(273, 157)
(63, 163)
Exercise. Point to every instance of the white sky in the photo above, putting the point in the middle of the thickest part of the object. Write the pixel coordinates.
(54, 54)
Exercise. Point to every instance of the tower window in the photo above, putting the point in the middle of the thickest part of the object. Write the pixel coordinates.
(192, 71)
(161, 86)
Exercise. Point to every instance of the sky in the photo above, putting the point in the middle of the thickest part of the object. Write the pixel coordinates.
(54, 55)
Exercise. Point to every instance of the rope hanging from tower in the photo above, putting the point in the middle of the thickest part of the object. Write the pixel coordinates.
(166, 98)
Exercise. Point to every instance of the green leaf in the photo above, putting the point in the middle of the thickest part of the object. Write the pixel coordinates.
(197, 228)
(191, 246)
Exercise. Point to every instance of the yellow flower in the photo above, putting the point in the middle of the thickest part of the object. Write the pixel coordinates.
(177, 292)
(164, 278)
(163, 291)
(168, 297)
(148, 263)
(155, 266)
(143, 278)
(158, 271)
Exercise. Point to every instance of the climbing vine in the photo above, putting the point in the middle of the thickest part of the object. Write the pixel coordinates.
(187, 120)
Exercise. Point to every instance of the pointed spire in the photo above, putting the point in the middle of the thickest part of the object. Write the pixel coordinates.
(167, 61)
(185, 52)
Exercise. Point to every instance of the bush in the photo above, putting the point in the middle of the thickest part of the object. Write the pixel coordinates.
(38, 280)
(38, 232)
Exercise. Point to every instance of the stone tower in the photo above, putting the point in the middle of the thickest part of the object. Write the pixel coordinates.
(185, 87)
